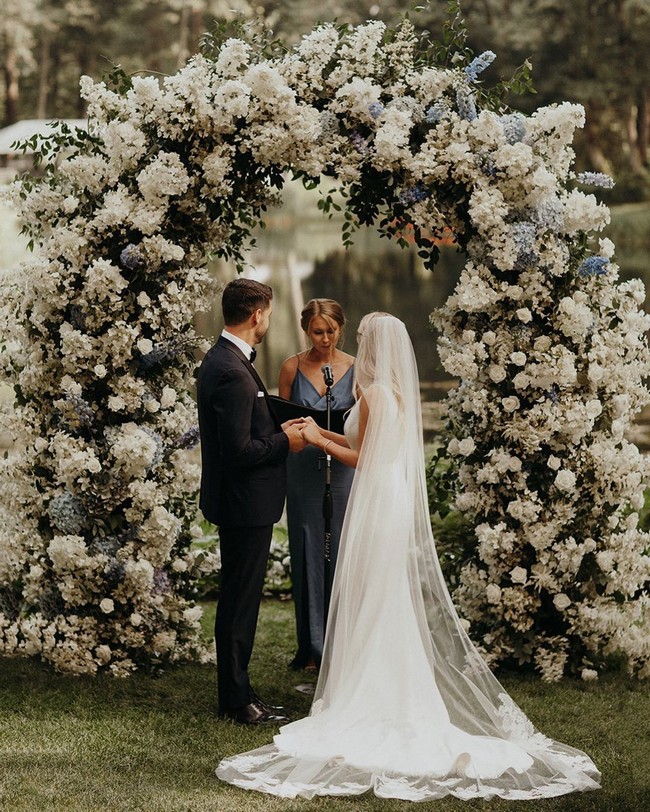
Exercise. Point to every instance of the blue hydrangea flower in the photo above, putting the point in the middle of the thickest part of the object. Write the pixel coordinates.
(593, 266)
(376, 109)
(514, 127)
(412, 195)
(359, 143)
(189, 439)
(83, 413)
(466, 103)
(160, 446)
(479, 64)
(548, 215)
(596, 179)
(524, 233)
(437, 112)
(68, 514)
(132, 257)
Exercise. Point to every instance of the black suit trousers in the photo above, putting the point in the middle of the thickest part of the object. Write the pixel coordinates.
(244, 557)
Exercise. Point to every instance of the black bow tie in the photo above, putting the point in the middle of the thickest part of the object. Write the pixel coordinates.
(253, 355)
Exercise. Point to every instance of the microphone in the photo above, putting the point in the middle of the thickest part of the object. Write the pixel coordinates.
(328, 375)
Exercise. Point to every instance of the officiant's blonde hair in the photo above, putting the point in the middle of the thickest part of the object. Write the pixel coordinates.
(328, 309)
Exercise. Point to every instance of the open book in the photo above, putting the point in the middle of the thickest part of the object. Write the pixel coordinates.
(288, 410)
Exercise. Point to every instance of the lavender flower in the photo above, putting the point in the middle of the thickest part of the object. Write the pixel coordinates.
(437, 112)
(162, 583)
(413, 195)
(479, 64)
(466, 103)
(189, 439)
(132, 257)
(359, 143)
(376, 109)
(68, 514)
(593, 266)
(548, 214)
(164, 353)
(596, 179)
(79, 412)
(107, 545)
(514, 127)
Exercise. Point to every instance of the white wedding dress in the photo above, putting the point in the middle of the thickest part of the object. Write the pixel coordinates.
(404, 704)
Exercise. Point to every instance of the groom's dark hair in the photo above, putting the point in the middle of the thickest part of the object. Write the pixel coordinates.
(241, 298)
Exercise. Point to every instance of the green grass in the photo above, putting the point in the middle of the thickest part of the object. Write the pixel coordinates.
(145, 745)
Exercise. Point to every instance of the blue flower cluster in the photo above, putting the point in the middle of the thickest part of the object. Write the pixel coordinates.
(466, 103)
(437, 112)
(479, 64)
(514, 127)
(160, 446)
(68, 514)
(596, 179)
(189, 439)
(548, 214)
(524, 235)
(376, 109)
(132, 258)
(359, 143)
(593, 266)
(163, 354)
(81, 409)
(413, 195)
(162, 583)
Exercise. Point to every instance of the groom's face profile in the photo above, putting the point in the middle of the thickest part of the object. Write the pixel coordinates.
(264, 317)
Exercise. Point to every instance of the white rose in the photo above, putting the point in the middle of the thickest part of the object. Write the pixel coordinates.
(168, 397)
(453, 446)
(510, 404)
(554, 463)
(193, 614)
(589, 675)
(144, 345)
(152, 405)
(497, 373)
(136, 619)
(100, 370)
(524, 314)
(489, 338)
(561, 601)
(518, 358)
(179, 565)
(107, 606)
(542, 344)
(466, 446)
(103, 654)
(565, 480)
(519, 575)
(493, 593)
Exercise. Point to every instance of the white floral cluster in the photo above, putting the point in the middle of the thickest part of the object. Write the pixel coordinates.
(97, 571)
(551, 351)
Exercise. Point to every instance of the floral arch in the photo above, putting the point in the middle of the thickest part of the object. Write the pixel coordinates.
(96, 561)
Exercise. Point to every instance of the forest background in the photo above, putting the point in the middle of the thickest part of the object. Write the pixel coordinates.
(594, 52)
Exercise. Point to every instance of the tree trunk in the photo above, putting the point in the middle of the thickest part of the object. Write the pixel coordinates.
(12, 88)
(43, 76)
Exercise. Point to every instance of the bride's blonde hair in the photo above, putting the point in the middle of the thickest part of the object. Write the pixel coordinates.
(377, 329)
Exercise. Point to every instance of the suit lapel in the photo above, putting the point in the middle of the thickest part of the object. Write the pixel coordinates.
(223, 342)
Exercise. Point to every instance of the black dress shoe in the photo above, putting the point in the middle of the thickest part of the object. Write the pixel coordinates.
(275, 709)
(253, 714)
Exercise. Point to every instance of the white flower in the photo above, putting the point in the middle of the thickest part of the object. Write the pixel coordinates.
(135, 619)
(588, 674)
(565, 480)
(493, 593)
(510, 404)
(561, 601)
(466, 446)
(524, 314)
(518, 358)
(106, 605)
(554, 462)
(519, 575)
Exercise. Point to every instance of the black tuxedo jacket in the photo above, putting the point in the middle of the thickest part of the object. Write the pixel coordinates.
(243, 447)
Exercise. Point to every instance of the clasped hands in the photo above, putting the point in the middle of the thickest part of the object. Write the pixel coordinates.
(302, 431)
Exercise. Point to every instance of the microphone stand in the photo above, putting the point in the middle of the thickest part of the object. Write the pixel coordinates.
(327, 509)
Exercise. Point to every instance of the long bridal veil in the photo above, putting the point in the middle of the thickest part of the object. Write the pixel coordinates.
(404, 704)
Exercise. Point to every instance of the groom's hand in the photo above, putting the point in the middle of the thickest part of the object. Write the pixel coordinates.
(296, 440)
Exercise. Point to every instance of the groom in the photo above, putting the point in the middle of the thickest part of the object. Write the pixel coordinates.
(243, 484)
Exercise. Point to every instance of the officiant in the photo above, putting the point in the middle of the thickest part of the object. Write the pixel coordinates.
(302, 381)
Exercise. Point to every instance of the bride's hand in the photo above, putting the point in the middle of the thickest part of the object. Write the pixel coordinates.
(311, 433)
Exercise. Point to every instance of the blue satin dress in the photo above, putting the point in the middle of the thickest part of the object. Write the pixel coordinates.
(305, 489)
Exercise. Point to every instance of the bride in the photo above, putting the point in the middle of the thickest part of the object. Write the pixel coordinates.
(404, 704)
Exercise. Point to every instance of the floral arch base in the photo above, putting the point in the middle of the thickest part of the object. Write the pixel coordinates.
(96, 557)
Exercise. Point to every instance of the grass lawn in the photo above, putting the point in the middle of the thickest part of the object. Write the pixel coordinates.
(151, 745)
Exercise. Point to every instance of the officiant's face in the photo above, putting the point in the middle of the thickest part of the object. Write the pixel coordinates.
(324, 334)
(263, 323)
